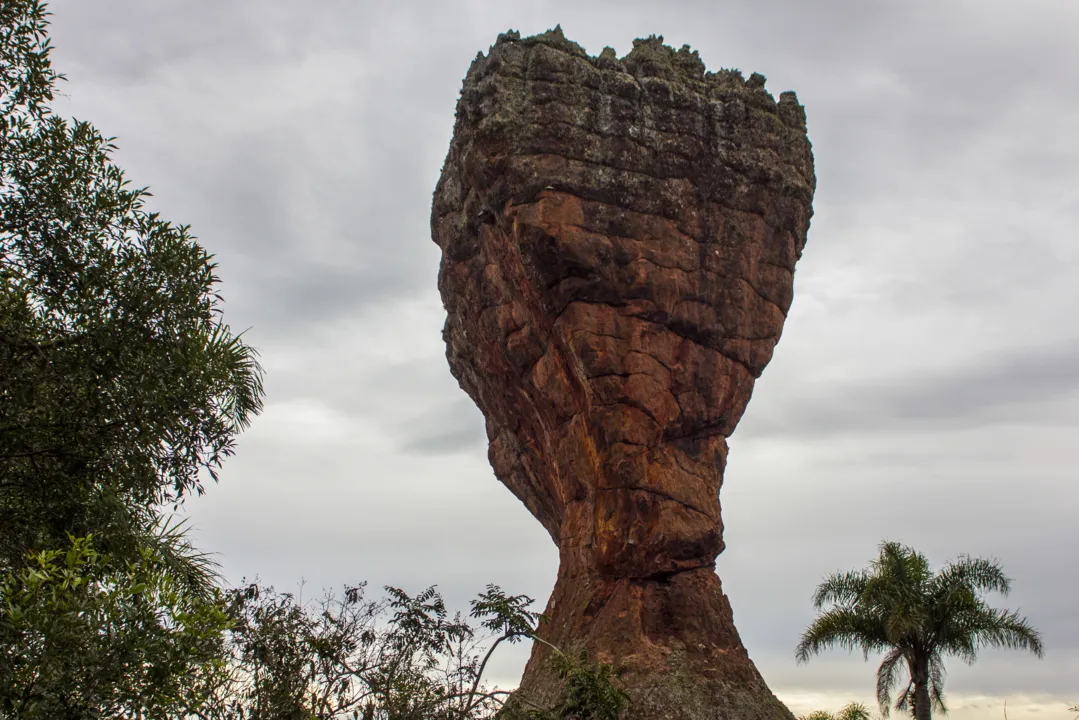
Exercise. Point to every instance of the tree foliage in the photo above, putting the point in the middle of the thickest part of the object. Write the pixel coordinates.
(120, 386)
(85, 635)
(916, 617)
(589, 693)
(121, 390)
(88, 636)
(403, 657)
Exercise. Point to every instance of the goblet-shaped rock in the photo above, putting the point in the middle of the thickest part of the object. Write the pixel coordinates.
(619, 239)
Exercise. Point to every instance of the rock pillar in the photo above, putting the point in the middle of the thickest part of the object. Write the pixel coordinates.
(618, 246)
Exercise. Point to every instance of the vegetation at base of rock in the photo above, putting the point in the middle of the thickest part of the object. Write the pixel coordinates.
(588, 693)
(899, 606)
(589, 690)
(401, 658)
(404, 657)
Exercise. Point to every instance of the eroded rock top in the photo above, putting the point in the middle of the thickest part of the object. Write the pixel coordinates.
(629, 128)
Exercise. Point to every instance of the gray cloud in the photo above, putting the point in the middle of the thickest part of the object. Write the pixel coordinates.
(454, 427)
(997, 390)
(924, 389)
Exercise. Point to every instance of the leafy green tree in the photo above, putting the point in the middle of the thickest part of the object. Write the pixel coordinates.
(900, 607)
(121, 388)
(87, 636)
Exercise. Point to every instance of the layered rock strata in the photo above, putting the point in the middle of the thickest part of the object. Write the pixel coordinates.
(618, 246)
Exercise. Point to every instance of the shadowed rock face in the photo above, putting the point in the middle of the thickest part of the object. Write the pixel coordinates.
(618, 245)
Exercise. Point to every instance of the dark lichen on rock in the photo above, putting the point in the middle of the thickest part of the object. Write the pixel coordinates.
(619, 238)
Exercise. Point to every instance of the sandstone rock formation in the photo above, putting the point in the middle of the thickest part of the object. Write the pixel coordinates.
(618, 245)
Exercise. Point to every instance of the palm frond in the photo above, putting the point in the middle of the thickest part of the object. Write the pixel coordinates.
(904, 702)
(958, 643)
(937, 674)
(243, 399)
(895, 590)
(842, 627)
(901, 562)
(1002, 628)
(167, 539)
(975, 574)
(887, 676)
(840, 589)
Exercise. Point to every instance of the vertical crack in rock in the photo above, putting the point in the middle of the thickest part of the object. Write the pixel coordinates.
(618, 246)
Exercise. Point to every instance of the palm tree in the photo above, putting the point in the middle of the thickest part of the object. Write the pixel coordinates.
(899, 606)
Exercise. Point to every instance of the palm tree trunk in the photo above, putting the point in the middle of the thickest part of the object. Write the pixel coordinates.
(919, 673)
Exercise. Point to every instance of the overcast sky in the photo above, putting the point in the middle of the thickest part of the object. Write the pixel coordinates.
(926, 388)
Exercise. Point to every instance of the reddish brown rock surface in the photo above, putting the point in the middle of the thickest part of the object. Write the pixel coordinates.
(619, 239)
